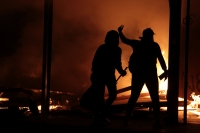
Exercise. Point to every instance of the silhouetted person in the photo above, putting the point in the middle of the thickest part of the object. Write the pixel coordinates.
(142, 65)
(106, 60)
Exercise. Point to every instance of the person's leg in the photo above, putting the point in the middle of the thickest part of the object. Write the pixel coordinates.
(97, 98)
(152, 85)
(112, 92)
(137, 84)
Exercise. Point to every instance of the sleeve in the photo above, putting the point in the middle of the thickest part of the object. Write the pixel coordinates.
(161, 58)
(118, 61)
(126, 40)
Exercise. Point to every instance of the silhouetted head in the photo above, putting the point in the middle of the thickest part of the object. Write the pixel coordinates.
(112, 38)
(148, 34)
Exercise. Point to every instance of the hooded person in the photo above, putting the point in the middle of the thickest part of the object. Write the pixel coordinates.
(106, 60)
(142, 65)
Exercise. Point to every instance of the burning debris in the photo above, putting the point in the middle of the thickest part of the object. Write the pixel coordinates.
(194, 104)
(27, 102)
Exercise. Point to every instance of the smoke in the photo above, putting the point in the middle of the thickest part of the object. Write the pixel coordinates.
(79, 27)
(74, 44)
(21, 30)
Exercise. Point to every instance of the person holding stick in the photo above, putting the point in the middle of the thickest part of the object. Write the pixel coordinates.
(106, 60)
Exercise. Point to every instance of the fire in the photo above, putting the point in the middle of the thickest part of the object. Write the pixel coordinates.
(4, 99)
(196, 102)
(194, 105)
(55, 107)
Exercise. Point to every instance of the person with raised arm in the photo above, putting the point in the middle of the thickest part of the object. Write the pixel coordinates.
(142, 65)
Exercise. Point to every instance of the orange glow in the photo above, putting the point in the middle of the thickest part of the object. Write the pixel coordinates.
(55, 107)
(4, 99)
(192, 107)
(126, 81)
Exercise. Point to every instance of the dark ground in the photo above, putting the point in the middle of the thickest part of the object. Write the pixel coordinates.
(74, 122)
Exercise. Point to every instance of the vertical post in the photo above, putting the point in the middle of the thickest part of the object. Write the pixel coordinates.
(186, 60)
(47, 48)
(173, 63)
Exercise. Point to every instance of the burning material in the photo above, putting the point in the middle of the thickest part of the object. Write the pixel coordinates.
(196, 102)
(4, 99)
(56, 107)
(194, 105)
(21, 100)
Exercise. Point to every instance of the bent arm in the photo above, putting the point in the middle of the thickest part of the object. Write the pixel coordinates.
(119, 62)
(161, 59)
(126, 40)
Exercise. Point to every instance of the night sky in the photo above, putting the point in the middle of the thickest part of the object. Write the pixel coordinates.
(79, 27)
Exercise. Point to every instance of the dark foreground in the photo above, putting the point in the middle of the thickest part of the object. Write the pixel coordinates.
(79, 123)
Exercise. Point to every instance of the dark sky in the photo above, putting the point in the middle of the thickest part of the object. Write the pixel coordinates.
(79, 27)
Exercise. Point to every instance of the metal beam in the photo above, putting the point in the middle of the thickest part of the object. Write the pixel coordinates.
(186, 60)
(173, 63)
(47, 48)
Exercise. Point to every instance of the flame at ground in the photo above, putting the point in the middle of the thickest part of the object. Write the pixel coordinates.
(192, 107)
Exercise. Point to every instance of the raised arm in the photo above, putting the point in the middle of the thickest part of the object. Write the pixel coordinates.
(123, 38)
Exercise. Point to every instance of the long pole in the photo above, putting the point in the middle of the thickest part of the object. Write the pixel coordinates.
(173, 61)
(186, 60)
(47, 48)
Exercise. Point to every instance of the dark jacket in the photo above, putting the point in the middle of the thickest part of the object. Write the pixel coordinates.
(144, 56)
(106, 59)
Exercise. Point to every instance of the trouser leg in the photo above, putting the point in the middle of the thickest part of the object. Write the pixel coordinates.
(112, 94)
(137, 85)
(98, 96)
(152, 85)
